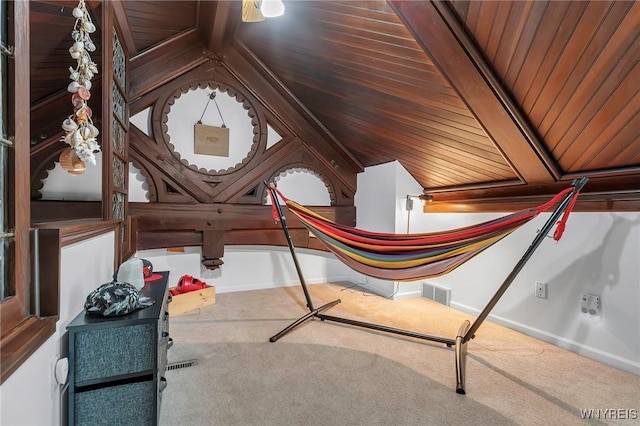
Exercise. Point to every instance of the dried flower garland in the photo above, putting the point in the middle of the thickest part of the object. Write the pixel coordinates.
(80, 133)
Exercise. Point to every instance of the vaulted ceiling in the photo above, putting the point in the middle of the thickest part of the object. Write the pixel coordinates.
(476, 99)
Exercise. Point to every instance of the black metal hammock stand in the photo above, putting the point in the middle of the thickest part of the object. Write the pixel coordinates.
(407, 257)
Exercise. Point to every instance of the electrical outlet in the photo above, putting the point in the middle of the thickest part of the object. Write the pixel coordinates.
(541, 290)
(590, 305)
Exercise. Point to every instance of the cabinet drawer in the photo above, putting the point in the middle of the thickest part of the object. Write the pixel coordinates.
(116, 351)
(128, 404)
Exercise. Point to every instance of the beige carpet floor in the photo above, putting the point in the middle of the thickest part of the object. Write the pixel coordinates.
(325, 373)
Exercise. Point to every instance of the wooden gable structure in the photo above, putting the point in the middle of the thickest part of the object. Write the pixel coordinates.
(489, 105)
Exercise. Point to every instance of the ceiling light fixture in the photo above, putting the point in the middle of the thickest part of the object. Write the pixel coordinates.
(272, 8)
(257, 10)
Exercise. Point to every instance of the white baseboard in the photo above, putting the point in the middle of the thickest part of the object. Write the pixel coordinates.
(613, 360)
(393, 295)
(270, 284)
(407, 294)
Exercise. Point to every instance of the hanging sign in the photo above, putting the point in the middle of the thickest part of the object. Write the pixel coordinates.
(211, 140)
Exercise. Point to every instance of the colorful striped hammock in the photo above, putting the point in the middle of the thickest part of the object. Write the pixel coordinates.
(409, 257)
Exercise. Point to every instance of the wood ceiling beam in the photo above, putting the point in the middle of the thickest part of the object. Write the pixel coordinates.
(170, 59)
(213, 19)
(145, 151)
(126, 35)
(264, 85)
(437, 30)
(601, 193)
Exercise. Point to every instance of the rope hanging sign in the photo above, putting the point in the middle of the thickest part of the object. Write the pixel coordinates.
(211, 140)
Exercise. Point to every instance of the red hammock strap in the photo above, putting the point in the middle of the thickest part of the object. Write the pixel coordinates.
(562, 223)
(555, 200)
(274, 201)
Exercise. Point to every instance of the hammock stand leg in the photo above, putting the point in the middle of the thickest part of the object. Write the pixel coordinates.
(317, 313)
(546, 229)
(466, 332)
(313, 312)
(461, 353)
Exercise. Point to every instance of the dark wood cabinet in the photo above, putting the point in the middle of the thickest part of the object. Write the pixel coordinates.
(116, 365)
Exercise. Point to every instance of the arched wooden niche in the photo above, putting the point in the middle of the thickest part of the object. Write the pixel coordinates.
(305, 186)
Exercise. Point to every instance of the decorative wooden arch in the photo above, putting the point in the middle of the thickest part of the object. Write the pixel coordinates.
(325, 181)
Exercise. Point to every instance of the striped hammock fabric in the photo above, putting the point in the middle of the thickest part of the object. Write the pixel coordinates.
(409, 257)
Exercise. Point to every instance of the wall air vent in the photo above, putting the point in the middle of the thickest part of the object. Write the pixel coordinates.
(181, 364)
(436, 293)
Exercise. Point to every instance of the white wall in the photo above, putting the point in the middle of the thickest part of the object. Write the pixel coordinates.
(30, 396)
(270, 267)
(61, 185)
(138, 187)
(302, 186)
(598, 254)
(405, 185)
(188, 109)
(376, 188)
(380, 206)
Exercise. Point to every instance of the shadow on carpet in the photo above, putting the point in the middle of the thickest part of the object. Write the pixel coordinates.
(304, 384)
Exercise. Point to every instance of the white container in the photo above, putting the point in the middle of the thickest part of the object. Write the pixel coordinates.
(131, 272)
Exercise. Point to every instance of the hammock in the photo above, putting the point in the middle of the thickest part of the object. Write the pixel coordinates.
(408, 257)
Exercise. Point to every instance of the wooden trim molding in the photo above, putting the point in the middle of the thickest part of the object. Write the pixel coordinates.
(14, 310)
(22, 342)
(18, 344)
(624, 202)
(603, 194)
(176, 225)
(75, 231)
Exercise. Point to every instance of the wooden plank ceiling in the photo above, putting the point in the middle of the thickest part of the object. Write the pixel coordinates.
(572, 67)
(473, 98)
(358, 69)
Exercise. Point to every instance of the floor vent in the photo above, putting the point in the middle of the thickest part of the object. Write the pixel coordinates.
(437, 294)
(181, 364)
